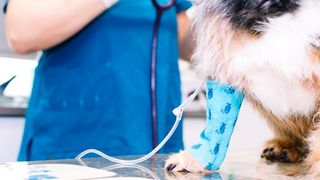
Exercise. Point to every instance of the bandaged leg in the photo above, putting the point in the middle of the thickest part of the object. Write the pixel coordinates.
(223, 106)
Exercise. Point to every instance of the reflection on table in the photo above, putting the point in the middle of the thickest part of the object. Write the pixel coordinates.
(238, 165)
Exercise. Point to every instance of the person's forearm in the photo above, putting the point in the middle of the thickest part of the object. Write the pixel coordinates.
(186, 41)
(33, 25)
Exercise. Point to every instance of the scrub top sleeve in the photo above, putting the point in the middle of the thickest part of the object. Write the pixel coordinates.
(4, 5)
(182, 5)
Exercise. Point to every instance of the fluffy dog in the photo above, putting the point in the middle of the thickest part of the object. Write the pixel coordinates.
(270, 50)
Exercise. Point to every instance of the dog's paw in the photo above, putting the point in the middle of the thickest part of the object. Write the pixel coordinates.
(283, 152)
(183, 161)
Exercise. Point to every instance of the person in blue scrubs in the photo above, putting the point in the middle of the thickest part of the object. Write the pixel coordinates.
(92, 84)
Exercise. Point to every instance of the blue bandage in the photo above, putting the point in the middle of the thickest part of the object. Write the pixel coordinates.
(223, 106)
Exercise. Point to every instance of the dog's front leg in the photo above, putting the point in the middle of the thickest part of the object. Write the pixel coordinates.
(223, 105)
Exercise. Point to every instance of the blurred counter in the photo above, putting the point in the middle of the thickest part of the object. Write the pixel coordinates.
(13, 106)
(14, 97)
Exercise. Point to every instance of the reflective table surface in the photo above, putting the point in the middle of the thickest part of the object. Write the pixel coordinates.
(238, 165)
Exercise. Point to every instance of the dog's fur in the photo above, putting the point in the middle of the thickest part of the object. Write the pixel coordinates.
(269, 49)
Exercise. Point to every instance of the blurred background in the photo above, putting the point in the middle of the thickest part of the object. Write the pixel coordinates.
(250, 132)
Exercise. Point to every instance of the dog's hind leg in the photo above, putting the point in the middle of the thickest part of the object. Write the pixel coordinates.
(289, 144)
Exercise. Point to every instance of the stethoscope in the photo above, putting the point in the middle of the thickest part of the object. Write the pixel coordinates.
(160, 9)
(178, 111)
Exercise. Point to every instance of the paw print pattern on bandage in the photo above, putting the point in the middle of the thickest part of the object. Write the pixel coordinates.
(204, 136)
(226, 109)
(230, 90)
(196, 146)
(209, 166)
(221, 129)
(216, 149)
(209, 114)
(210, 93)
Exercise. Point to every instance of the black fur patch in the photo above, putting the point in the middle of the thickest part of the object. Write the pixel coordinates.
(317, 43)
(247, 14)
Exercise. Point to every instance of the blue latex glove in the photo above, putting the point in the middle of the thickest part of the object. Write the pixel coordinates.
(223, 106)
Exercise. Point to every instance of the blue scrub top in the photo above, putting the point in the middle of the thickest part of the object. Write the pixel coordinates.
(93, 91)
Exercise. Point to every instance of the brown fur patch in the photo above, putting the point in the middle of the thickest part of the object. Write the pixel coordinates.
(295, 128)
(314, 54)
(241, 37)
(312, 83)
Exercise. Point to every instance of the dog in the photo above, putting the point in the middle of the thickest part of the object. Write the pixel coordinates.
(270, 50)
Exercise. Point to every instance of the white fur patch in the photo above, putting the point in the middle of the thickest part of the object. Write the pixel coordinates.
(281, 96)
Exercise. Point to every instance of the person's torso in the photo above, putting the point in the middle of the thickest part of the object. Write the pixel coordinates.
(96, 85)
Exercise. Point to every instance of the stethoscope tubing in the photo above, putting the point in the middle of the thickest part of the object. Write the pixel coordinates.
(164, 7)
(160, 9)
(177, 111)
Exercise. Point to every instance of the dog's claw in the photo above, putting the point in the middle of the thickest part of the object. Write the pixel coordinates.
(170, 167)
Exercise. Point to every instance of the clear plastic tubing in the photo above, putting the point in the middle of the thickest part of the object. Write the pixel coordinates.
(178, 112)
